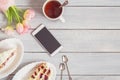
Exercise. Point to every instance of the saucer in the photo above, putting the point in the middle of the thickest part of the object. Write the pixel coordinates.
(14, 63)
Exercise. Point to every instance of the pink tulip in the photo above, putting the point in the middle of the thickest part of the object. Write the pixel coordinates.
(5, 4)
(26, 26)
(9, 30)
(19, 28)
(29, 14)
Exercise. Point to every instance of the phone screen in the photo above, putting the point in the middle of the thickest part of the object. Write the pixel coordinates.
(47, 40)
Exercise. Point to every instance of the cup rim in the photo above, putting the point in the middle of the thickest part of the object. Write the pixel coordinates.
(45, 13)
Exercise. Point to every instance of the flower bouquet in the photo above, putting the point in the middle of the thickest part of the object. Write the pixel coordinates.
(15, 16)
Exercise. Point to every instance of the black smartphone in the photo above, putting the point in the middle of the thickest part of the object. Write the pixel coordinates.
(48, 41)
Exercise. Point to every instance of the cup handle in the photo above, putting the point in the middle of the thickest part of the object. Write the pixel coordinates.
(62, 19)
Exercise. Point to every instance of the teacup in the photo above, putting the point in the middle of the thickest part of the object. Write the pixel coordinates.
(52, 10)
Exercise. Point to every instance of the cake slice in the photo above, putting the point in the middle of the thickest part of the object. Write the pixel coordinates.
(41, 72)
(5, 56)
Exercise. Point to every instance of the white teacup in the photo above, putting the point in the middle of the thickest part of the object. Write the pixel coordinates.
(60, 17)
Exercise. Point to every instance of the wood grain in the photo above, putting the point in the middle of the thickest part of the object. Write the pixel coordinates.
(83, 78)
(80, 64)
(90, 38)
(72, 2)
(78, 18)
(78, 41)
(85, 66)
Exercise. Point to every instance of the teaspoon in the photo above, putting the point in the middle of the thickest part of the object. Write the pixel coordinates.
(62, 68)
(65, 60)
(64, 4)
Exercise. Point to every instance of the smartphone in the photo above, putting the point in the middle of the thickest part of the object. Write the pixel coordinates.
(47, 40)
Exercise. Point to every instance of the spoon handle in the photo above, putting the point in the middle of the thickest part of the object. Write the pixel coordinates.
(70, 78)
(61, 75)
(64, 4)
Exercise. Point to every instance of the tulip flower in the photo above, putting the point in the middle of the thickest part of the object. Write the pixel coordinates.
(16, 16)
(29, 14)
(19, 28)
(10, 10)
(26, 26)
(9, 30)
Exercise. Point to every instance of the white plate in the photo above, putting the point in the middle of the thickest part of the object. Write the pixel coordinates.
(25, 72)
(7, 44)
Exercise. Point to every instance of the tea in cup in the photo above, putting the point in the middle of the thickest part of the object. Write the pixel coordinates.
(52, 10)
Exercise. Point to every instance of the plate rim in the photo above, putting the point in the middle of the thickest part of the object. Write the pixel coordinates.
(19, 61)
(33, 63)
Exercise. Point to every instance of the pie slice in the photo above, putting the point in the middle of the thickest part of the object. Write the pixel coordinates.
(41, 72)
(5, 56)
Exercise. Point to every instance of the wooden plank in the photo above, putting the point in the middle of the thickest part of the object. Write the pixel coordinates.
(83, 78)
(78, 41)
(80, 64)
(73, 2)
(79, 18)
(92, 64)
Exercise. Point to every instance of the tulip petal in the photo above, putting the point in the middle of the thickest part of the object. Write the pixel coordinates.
(29, 14)
(19, 28)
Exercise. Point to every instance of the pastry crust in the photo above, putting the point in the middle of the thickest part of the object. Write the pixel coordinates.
(41, 72)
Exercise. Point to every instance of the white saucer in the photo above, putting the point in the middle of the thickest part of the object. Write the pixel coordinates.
(7, 44)
(24, 73)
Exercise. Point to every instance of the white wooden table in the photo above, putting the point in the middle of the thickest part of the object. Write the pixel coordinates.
(90, 36)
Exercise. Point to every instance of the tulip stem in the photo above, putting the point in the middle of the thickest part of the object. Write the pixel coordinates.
(16, 13)
(8, 12)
